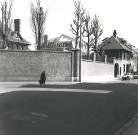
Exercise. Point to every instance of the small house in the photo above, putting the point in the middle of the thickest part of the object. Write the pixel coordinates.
(122, 52)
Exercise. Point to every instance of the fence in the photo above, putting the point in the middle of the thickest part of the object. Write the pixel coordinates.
(104, 58)
(100, 58)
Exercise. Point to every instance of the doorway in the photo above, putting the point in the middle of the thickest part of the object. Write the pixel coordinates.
(116, 70)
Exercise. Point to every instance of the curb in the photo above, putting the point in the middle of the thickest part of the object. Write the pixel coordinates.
(128, 126)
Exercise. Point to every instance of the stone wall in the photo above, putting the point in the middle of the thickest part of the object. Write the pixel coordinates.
(89, 68)
(28, 65)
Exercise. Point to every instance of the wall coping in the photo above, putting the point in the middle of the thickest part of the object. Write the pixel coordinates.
(2, 50)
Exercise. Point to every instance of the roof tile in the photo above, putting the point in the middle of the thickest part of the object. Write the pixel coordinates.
(112, 43)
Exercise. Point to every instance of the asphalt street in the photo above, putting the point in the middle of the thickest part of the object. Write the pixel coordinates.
(67, 108)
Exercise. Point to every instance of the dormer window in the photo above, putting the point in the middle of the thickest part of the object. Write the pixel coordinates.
(123, 42)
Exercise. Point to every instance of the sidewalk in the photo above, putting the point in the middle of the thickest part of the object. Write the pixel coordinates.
(88, 79)
(6, 87)
(100, 79)
(19, 86)
(130, 128)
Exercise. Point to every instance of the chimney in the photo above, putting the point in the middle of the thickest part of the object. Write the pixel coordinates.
(115, 34)
(17, 25)
(45, 41)
(41, 9)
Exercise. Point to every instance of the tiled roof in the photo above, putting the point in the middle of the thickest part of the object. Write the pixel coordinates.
(56, 40)
(17, 38)
(19, 41)
(112, 43)
(70, 38)
(121, 39)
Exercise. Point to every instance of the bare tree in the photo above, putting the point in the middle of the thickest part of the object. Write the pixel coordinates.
(88, 32)
(6, 21)
(79, 14)
(97, 31)
(38, 18)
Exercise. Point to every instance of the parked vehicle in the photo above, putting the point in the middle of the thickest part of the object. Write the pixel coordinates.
(127, 76)
(135, 75)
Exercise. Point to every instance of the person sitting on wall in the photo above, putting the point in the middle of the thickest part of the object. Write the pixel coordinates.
(42, 78)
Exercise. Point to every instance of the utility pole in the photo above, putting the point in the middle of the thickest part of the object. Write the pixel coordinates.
(80, 48)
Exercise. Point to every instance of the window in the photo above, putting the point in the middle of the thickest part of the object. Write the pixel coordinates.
(124, 67)
(22, 47)
(120, 70)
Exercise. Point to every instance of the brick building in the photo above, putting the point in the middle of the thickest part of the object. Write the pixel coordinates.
(15, 41)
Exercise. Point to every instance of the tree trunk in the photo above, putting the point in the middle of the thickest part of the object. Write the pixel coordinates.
(88, 52)
(88, 48)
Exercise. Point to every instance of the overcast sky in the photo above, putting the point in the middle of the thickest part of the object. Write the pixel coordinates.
(120, 15)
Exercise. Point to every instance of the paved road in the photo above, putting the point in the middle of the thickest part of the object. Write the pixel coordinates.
(67, 109)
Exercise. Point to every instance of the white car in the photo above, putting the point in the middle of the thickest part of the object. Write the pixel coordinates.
(127, 76)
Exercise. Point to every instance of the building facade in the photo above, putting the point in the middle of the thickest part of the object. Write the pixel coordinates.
(123, 53)
(61, 43)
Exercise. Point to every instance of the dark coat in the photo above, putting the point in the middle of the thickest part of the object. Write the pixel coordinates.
(42, 78)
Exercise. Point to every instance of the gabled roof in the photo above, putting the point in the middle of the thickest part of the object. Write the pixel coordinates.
(62, 38)
(121, 39)
(69, 38)
(113, 43)
(17, 38)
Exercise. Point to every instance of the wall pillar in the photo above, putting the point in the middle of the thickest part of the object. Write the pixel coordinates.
(94, 57)
(75, 65)
(105, 59)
